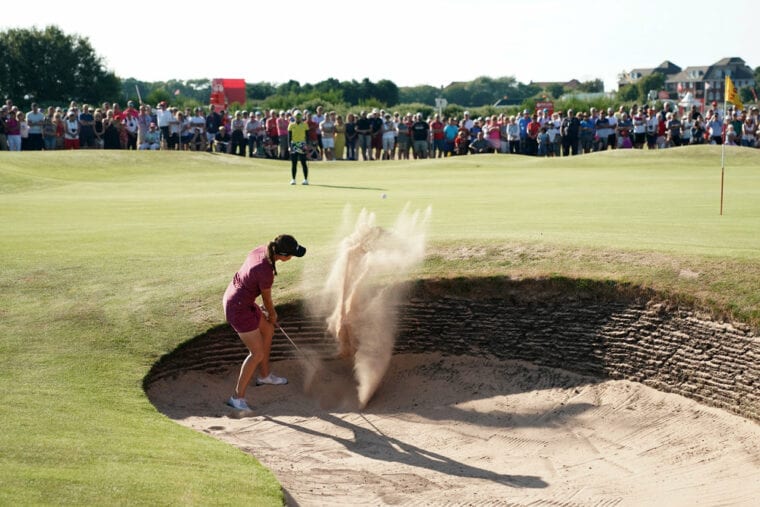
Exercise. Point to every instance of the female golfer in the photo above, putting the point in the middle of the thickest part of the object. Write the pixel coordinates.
(298, 132)
(255, 278)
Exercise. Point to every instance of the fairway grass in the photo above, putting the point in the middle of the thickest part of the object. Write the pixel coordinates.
(112, 259)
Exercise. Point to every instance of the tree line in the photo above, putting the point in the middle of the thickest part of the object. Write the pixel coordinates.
(51, 67)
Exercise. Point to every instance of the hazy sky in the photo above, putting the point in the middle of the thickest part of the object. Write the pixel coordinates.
(409, 42)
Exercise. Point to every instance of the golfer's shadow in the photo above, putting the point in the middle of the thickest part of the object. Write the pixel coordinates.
(374, 444)
(346, 187)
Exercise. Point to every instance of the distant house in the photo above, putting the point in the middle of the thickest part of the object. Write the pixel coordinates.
(666, 68)
(703, 82)
(695, 79)
(571, 85)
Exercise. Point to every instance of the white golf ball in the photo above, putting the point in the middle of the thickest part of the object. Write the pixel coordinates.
(383, 196)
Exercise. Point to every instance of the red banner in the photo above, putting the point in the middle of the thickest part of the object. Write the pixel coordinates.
(225, 92)
(548, 105)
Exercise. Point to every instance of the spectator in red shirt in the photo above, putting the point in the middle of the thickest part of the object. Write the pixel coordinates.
(130, 110)
(272, 131)
(534, 128)
(312, 137)
(282, 134)
(436, 129)
(118, 114)
(462, 142)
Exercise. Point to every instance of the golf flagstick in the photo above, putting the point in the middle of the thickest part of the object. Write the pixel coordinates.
(730, 94)
(723, 151)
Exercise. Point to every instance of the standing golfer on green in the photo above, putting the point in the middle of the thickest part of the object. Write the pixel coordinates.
(297, 132)
(254, 326)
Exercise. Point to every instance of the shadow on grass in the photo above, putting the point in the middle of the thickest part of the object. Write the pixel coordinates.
(345, 187)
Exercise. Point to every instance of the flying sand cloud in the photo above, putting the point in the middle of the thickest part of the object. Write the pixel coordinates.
(362, 292)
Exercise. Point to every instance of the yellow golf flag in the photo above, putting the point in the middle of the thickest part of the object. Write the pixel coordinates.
(732, 95)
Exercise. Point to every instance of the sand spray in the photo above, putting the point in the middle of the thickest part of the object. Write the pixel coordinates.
(363, 290)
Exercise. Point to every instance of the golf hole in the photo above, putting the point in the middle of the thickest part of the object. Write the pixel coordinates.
(532, 390)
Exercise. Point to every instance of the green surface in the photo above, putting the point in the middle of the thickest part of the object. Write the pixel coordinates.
(111, 259)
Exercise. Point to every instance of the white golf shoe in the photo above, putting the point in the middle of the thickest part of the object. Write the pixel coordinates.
(271, 379)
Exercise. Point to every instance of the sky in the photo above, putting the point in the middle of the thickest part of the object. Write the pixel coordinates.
(408, 42)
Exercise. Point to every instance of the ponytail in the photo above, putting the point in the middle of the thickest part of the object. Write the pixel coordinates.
(271, 255)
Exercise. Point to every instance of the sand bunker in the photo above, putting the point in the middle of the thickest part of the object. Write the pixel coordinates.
(473, 409)
(478, 431)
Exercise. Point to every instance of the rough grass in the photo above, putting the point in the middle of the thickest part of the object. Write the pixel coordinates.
(111, 259)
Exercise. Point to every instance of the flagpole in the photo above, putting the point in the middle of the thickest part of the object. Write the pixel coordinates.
(730, 94)
(722, 173)
(722, 149)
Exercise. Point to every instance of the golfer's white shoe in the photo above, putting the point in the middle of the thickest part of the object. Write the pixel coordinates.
(292, 182)
(238, 403)
(305, 182)
(271, 379)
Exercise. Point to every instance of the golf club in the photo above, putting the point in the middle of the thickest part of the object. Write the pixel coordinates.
(314, 363)
(289, 339)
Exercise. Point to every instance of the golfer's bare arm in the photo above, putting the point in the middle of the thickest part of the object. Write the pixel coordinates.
(266, 297)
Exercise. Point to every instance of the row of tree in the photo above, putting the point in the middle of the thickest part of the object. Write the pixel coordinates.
(51, 67)
(479, 92)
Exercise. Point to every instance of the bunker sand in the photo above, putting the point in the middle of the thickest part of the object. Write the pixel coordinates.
(444, 430)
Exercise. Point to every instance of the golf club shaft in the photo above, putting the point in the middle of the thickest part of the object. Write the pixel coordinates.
(291, 341)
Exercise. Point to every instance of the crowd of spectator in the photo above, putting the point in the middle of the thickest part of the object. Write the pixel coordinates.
(371, 135)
